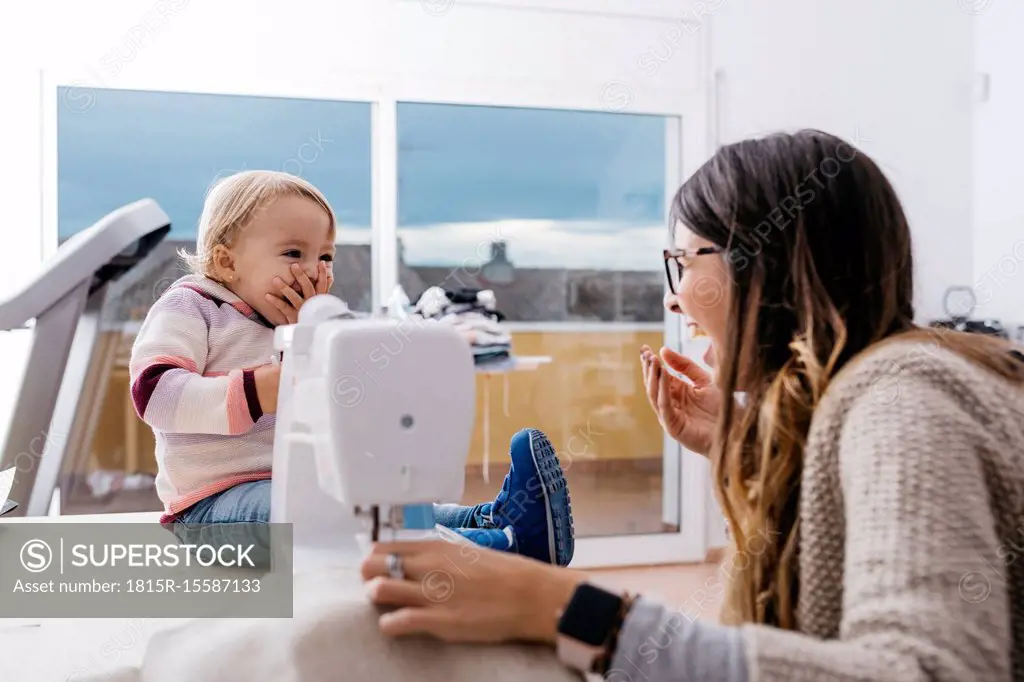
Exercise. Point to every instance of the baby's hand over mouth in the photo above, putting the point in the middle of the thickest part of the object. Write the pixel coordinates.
(288, 301)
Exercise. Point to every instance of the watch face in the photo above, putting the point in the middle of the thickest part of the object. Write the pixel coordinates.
(590, 615)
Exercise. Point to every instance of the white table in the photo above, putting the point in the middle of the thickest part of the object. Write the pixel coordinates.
(516, 363)
(41, 650)
(61, 649)
(132, 517)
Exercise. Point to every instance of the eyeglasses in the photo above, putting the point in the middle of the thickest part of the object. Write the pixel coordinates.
(675, 274)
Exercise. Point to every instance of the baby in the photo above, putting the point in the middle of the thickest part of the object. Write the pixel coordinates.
(205, 375)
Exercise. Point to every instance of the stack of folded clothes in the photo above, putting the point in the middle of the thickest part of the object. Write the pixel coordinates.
(473, 313)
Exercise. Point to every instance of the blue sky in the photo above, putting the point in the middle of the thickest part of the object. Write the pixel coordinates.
(583, 189)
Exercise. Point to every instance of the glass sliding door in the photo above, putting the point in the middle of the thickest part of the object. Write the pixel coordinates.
(562, 214)
(172, 146)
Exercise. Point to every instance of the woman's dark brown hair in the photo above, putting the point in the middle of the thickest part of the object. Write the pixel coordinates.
(818, 249)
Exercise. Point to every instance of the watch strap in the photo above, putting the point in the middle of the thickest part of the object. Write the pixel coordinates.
(611, 643)
(593, 655)
(578, 655)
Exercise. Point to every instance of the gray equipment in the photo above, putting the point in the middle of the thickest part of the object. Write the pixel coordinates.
(65, 301)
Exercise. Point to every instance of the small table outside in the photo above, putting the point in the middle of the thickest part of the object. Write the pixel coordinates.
(505, 366)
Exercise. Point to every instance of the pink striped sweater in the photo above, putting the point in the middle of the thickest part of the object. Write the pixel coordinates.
(192, 382)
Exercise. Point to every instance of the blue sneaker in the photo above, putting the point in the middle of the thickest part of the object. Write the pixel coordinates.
(534, 501)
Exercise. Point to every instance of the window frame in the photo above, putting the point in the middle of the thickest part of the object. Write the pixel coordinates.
(691, 139)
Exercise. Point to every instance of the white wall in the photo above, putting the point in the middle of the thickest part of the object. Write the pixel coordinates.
(998, 167)
(892, 77)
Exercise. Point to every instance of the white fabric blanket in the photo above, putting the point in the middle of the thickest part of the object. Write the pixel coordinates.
(332, 636)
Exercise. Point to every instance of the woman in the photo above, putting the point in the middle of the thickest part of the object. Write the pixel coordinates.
(872, 472)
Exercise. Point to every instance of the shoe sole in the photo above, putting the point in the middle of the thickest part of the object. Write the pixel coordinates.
(553, 482)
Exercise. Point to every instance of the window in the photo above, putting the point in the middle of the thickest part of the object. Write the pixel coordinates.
(562, 215)
(173, 146)
(128, 145)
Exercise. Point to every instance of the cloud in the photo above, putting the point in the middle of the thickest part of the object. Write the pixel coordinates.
(539, 243)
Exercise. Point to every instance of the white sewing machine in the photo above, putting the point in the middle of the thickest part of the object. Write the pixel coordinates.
(373, 426)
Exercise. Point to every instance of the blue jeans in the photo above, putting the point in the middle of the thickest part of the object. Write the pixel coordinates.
(247, 502)
(250, 503)
(458, 516)
(237, 516)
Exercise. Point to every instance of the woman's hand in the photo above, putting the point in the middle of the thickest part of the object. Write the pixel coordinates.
(460, 592)
(289, 301)
(687, 412)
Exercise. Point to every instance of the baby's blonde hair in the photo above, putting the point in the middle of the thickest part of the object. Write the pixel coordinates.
(233, 202)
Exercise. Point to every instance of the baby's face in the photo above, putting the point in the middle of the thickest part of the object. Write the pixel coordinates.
(291, 230)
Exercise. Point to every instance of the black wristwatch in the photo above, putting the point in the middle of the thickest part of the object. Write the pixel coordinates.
(588, 628)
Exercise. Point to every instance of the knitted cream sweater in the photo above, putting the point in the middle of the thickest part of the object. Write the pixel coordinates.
(912, 528)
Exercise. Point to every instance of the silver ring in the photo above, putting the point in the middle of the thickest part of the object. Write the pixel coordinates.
(395, 569)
